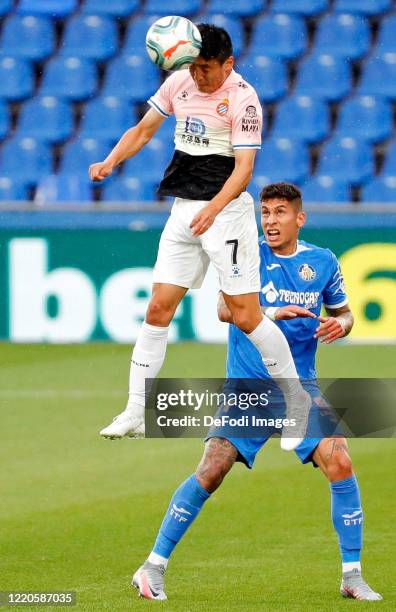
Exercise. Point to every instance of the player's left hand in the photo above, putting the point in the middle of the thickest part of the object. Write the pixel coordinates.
(330, 329)
(203, 220)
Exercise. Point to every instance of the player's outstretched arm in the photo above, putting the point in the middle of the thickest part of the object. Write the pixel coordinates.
(129, 144)
(284, 313)
(234, 185)
(337, 325)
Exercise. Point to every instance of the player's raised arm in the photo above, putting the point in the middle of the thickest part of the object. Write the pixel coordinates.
(337, 325)
(129, 144)
(233, 187)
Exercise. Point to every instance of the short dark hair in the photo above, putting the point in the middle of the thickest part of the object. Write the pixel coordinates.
(216, 42)
(281, 191)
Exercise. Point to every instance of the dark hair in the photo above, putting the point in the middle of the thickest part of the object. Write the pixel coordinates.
(281, 191)
(216, 42)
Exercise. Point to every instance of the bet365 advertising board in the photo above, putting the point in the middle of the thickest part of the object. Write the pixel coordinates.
(82, 285)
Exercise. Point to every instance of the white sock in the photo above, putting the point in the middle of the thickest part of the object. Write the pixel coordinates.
(147, 359)
(157, 559)
(351, 565)
(275, 353)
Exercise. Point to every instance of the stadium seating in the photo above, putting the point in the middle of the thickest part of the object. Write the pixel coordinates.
(379, 77)
(114, 8)
(389, 168)
(324, 188)
(279, 35)
(47, 118)
(27, 37)
(380, 189)
(232, 25)
(240, 8)
(178, 7)
(346, 159)
(5, 122)
(91, 37)
(129, 189)
(283, 159)
(367, 118)
(58, 188)
(16, 78)
(26, 160)
(134, 43)
(12, 190)
(386, 38)
(268, 76)
(5, 6)
(324, 76)
(132, 77)
(79, 154)
(151, 162)
(106, 118)
(303, 118)
(52, 8)
(343, 35)
(307, 8)
(366, 7)
(72, 78)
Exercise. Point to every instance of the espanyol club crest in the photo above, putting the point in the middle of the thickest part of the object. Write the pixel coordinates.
(306, 272)
(222, 108)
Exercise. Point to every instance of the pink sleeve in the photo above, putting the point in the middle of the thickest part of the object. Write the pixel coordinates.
(162, 100)
(247, 122)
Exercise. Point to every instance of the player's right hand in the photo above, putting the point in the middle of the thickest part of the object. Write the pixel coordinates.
(292, 312)
(100, 171)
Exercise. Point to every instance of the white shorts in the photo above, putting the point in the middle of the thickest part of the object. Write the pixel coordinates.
(231, 244)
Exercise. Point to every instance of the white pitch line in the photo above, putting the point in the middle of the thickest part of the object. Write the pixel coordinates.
(48, 393)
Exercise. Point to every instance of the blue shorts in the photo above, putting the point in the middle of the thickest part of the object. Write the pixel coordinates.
(321, 425)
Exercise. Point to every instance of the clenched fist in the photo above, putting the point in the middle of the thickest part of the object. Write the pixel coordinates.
(100, 171)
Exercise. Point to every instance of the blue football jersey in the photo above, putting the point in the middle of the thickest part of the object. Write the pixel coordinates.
(311, 277)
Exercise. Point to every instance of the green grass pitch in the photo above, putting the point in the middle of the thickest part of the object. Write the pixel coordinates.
(81, 513)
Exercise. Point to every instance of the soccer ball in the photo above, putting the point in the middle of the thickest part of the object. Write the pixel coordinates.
(173, 42)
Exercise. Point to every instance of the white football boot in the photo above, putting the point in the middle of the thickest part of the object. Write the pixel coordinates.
(149, 580)
(129, 423)
(353, 586)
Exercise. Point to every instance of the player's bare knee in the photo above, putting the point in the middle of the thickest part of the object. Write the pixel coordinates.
(243, 320)
(218, 459)
(159, 312)
(338, 462)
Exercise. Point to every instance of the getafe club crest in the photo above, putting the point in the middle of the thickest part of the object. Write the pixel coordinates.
(306, 272)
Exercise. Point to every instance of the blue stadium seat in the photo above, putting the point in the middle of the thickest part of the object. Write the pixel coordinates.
(365, 117)
(6, 6)
(379, 77)
(47, 118)
(268, 75)
(389, 168)
(177, 7)
(308, 8)
(239, 8)
(52, 8)
(280, 35)
(386, 38)
(365, 7)
(72, 78)
(347, 159)
(344, 35)
(135, 39)
(324, 76)
(25, 159)
(27, 37)
(283, 159)
(115, 8)
(381, 189)
(151, 161)
(133, 77)
(16, 78)
(91, 37)
(79, 154)
(325, 188)
(107, 118)
(129, 189)
(58, 188)
(12, 190)
(5, 123)
(302, 117)
(232, 25)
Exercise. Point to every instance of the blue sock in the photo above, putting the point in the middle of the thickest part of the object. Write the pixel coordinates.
(184, 506)
(347, 515)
